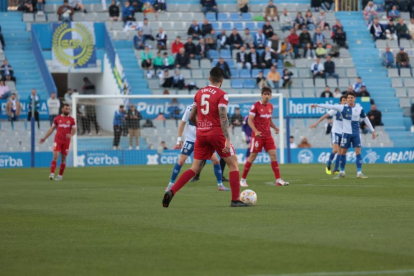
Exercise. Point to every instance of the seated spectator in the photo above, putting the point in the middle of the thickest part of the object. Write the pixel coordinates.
(318, 37)
(113, 11)
(261, 80)
(67, 98)
(137, 5)
(370, 12)
(350, 89)
(242, 59)
(285, 49)
(222, 40)
(176, 45)
(327, 93)
(268, 58)
(209, 6)
(364, 92)
(168, 61)
(310, 21)
(190, 48)
(286, 21)
(391, 31)
(388, 58)
(294, 41)
(178, 80)
(33, 103)
(309, 52)
(337, 94)
(148, 8)
(299, 22)
(147, 30)
(375, 117)
(317, 69)
(330, 68)
(4, 91)
(161, 39)
(334, 51)
(148, 124)
(248, 39)
(402, 30)
(158, 62)
(211, 40)
(287, 78)
(260, 40)
(274, 43)
(271, 12)
(194, 30)
(182, 60)
(7, 72)
(13, 108)
(77, 5)
(146, 57)
(128, 13)
(358, 85)
(160, 5)
(40, 7)
(304, 38)
(65, 12)
(201, 50)
(304, 143)
(321, 21)
(206, 28)
(292, 143)
(223, 65)
(268, 29)
(377, 30)
(162, 146)
(411, 27)
(243, 6)
(165, 80)
(236, 119)
(335, 28)
(316, 4)
(340, 39)
(402, 60)
(25, 6)
(394, 13)
(235, 41)
(139, 41)
(328, 5)
(320, 51)
(254, 58)
(273, 78)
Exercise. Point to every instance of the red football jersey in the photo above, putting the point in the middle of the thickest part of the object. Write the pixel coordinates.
(262, 116)
(64, 125)
(208, 101)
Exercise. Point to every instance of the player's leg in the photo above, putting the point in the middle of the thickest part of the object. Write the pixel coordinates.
(256, 146)
(218, 173)
(359, 163)
(275, 167)
(234, 176)
(223, 166)
(197, 176)
(53, 165)
(336, 150)
(332, 155)
(62, 167)
(345, 143)
(176, 170)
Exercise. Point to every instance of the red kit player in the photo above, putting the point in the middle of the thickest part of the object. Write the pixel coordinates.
(260, 120)
(209, 114)
(66, 128)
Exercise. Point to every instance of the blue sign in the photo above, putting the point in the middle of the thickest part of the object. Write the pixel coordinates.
(301, 107)
(43, 110)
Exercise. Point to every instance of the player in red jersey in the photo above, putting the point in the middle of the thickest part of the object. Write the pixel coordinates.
(66, 128)
(260, 120)
(209, 114)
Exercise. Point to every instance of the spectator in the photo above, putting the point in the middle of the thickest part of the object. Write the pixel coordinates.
(222, 40)
(4, 91)
(211, 40)
(309, 52)
(335, 28)
(260, 40)
(271, 11)
(411, 28)
(235, 41)
(113, 11)
(201, 50)
(168, 61)
(294, 41)
(65, 12)
(388, 58)
(165, 80)
(194, 30)
(304, 143)
(236, 119)
(268, 59)
(138, 5)
(316, 4)
(68, 97)
(182, 60)
(176, 45)
(358, 85)
(132, 119)
(33, 104)
(304, 38)
(299, 21)
(340, 38)
(158, 62)
(388, 5)
(128, 13)
(223, 65)
(328, 5)
(243, 6)
(53, 104)
(7, 71)
(327, 93)
(206, 28)
(321, 21)
(13, 108)
(337, 94)
(162, 147)
(402, 30)
(2, 42)
(261, 80)
(117, 123)
(394, 13)
(318, 37)
(160, 5)
(146, 57)
(330, 68)
(350, 89)
(370, 12)
(320, 51)
(161, 39)
(285, 49)
(292, 143)
(148, 124)
(273, 78)
(190, 48)
(364, 92)
(390, 31)
(402, 60)
(375, 117)
(286, 21)
(40, 6)
(254, 58)
(268, 29)
(25, 6)
(160, 117)
(147, 8)
(77, 5)
(209, 6)
(317, 69)
(287, 78)
(274, 43)
(147, 30)
(411, 8)
(139, 41)
(242, 60)
(310, 21)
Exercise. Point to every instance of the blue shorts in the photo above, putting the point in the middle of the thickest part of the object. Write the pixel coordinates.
(348, 139)
(336, 138)
(187, 148)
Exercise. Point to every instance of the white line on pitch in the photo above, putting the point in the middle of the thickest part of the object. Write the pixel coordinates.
(344, 273)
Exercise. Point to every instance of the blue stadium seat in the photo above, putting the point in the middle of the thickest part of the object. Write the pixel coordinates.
(260, 25)
(234, 17)
(255, 72)
(239, 26)
(226, 26)
(223, 16)
(245, 73)
(224, 53)
(247, 17)
(215, 25)
(211, 16)
(234, 73)
(250, 83)
(251, 26)
(231, 63)
(213, 54)
(236, 84)
(265, 72)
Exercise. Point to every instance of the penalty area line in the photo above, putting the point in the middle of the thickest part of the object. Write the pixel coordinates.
(345, 273)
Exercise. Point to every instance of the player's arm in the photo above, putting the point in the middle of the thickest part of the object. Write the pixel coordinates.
(337, 107)
(180, 133)
(368, 123)
(72, 133)
(272, 125)
(320, 120)
(193, 115)
(48, 133)
(224, 122)
(251, 124)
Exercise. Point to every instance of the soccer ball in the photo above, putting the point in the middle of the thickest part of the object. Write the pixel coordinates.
(249, 197)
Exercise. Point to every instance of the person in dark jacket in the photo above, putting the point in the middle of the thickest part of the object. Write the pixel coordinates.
(194, 31)
(190, 48)
(222, 40)
(223, 65)
(242, 59)
(117, 123)
(182, 60)
(268, 29)
(113, 11)
(132, 119)
(327, 93)
(268, 58)
(304, 38)
(209, 6)
(206, 28)
(377, 30)
(201, 49)
(340, 38)
(254, 59)
(374, 116)
(235, 41)
(330, 68)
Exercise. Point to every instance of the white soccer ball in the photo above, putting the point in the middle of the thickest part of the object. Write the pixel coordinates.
(249, 197)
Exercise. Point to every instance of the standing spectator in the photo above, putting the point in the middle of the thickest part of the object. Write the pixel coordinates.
(139, 41)
(211, 40)
(388, 58)
(160, 5)
(286, 21)
(178, 80)
(133, 118)
(113, 11)
(271, 11)
(268, 59)
(201, 49)
(292, 143)
(176, 45)
(310, 21)
(13, 109)
(261, 80)
(358, 85)
(235, 41)
(248, 39)
(304, 38)
(287, 78)
(243, 6)
(128, 13)
(161, 39)
(320, 51)
(4, 91)
(299, 21)
(337, 93)
(242, 60)
(377, 30)
(316, 4)
(328, 5)
(117, 123)
(236, 119)
(194, 31)
(309, 52)
(318, 37)
(147, 30)
(222, 40)
(294, 41)
(317, 69)
(7, 71)
(67, 98)
(330, 68)
(209, 6)
(53, 105)
(391, 31)
(34, 105)
(340, 38)
(273, 78)
(402, 60)
(304, 143)
(402, 30)
(182, 60)
(268, 29)
(65, 12)
(206, 28)
(254, 58)
(146, 57)
(327, 93)
(394, 13)
(411, 28)
(190, 48)
(260, 40)
(370, 12)
(223, 65)
(77, 5)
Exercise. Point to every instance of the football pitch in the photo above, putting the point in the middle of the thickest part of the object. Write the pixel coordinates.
(110, 221)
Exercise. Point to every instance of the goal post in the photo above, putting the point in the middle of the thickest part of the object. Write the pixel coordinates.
(100, 110)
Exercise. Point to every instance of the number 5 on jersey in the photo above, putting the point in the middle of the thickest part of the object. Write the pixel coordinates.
(205, 105)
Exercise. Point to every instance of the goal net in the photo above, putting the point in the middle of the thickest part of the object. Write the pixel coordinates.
(106, 137)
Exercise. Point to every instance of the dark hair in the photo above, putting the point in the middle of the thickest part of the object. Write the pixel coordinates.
(266, 90)
(292, 137)
(341, 98)
(121, 106)
(64, 105)
(351, 93)
(216, 75)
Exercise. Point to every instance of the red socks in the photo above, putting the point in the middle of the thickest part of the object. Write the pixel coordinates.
(62, 169)
(275, 168)
(246, 169)
(184, 178)
(53, 167)
(235, 184)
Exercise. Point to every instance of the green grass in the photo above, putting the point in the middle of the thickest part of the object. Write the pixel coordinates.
(109, 221)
